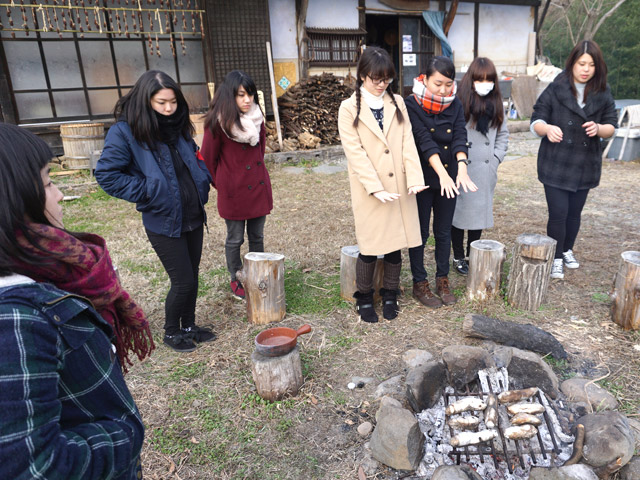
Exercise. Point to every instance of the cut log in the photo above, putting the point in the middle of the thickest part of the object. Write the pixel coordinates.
(348, 258)
(263, 278)
(485, 269)
(625, 309)
(276, 377)
(530, 270)
(525, 337)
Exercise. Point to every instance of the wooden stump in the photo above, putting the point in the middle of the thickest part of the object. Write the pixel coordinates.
(485, 269)
(276, 377)
(625, 309)
(263, 278)
(348, 258)
(530, 270)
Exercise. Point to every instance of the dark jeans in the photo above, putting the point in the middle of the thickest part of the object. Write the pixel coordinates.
(443, 209)
(180, 257)
(457, 241)
(235, 239)
(565, 209)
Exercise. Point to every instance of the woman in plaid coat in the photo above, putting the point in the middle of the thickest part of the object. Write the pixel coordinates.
(571, 116)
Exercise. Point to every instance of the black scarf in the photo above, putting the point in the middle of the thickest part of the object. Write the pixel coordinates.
(484, 121)
(170, 126)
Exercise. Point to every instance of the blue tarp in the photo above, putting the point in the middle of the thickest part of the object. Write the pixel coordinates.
(434, 21)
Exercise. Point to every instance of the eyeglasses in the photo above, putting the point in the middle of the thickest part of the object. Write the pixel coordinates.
(378, 81)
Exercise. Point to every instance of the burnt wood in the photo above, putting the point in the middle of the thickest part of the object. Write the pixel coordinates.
(525, 337)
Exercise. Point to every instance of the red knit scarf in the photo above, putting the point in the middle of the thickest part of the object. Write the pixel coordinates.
(81, 265)
(429, 102)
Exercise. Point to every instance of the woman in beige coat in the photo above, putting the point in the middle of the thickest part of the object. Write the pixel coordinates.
(384, 175)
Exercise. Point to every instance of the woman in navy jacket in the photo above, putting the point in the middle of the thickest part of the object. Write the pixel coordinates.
(150, 158)
(438, 124)
(572, 115)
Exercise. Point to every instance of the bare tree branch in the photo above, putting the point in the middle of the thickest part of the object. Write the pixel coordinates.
(607, 15)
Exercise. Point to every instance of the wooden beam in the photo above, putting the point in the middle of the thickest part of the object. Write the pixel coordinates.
(450, 16)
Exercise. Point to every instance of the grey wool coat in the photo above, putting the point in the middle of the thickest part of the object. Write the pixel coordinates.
(575, 163)
(474, 210)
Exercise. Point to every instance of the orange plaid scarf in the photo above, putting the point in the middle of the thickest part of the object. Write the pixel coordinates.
(429, 102)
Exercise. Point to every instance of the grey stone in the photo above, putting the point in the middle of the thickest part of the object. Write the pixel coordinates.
(580, 390)
(527, 369)
(631, 471)
(455, 472)
(368, 463)
(463, 363)
(607, 437)
(364, 429)
(570, 472)
(393, 387)
(501, 355)
(635, 428)
(425, 384)
(415, 357)
(397, 440)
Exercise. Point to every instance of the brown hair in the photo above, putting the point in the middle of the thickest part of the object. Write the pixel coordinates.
(375, 63)
(481, 70)
(598, 82)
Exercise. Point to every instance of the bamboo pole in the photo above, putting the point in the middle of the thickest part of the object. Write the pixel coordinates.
(274, 97)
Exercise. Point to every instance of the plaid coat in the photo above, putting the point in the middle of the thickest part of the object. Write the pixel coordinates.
(575, 163)
(65, 410)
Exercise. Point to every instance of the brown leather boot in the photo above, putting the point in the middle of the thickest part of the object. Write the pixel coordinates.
(442, 290)
(425, 296)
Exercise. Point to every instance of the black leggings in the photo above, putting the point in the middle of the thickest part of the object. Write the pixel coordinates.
(457, 240)
(394, 258)
(565, 208)
(180, 257)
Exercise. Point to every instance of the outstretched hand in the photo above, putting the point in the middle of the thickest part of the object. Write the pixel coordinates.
(465, 182)
(417, 189)
(385, 196)
(448, 187)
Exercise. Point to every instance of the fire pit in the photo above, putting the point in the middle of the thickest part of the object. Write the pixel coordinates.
(500, 457)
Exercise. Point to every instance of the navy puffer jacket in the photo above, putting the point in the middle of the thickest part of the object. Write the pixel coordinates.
(131, 171)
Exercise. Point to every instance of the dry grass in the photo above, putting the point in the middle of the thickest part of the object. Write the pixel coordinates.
(203, 418)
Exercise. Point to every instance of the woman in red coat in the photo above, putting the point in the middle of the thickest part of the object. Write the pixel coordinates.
(233, 150)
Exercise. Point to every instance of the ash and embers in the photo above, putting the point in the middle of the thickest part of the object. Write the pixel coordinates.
(501, 458)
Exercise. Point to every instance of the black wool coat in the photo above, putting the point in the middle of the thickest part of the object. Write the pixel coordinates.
(575, 163)
(443, 133)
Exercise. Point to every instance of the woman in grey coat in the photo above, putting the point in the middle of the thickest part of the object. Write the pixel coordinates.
(487, 137)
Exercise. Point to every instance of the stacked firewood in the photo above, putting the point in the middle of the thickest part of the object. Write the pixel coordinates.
(309, 109)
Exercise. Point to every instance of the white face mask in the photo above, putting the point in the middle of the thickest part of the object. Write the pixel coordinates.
(483, 88)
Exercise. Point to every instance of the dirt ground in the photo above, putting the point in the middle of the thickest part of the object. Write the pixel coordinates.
(203, 417)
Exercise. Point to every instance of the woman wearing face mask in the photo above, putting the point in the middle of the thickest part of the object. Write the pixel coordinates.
(572, 115)
(438, 124)
(384, 175)
(487, 136)
(150, 158)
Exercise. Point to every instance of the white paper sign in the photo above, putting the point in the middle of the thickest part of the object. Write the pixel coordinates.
(407, 43)
(409, 60)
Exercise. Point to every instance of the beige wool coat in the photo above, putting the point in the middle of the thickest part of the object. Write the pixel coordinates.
(381, 161)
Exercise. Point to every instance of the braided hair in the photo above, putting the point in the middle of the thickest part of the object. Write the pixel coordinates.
(375, 63)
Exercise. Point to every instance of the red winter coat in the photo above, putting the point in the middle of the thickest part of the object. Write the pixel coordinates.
(239, 174)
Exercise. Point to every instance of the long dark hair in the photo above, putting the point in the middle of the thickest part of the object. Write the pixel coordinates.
(481, 70)
(223, 109)
(135, 108)
(23, 155)
(442, 65)
(598, 82)
(375, 62)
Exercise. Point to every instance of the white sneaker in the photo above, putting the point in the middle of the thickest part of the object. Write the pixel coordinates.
(569, 260)
(557, 270)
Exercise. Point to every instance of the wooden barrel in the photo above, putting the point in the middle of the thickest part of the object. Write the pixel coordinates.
(79, 140)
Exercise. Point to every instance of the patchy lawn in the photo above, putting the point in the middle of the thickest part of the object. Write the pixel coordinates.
(204, 419)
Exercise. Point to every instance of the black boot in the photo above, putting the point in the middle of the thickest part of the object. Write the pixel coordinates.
(364, 307)
(390, 306)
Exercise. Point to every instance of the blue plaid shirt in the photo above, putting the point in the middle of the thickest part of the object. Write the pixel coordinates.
(65, 410)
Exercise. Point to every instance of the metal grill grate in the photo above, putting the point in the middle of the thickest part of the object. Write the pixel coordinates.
(488, 449)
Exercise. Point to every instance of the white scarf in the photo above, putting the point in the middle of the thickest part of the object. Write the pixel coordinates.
(372, 100)
(251, 123)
